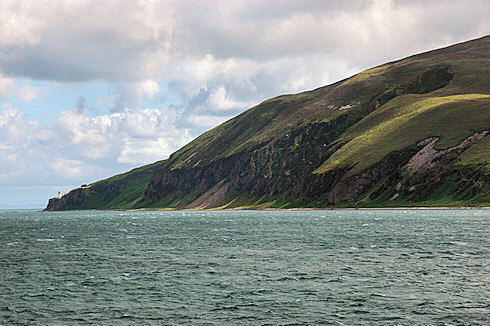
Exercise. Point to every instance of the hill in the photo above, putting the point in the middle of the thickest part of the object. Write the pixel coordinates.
(407, 133)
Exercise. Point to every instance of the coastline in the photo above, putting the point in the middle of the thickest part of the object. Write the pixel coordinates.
(311, 209)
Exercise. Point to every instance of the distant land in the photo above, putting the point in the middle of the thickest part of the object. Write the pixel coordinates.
(409, 133)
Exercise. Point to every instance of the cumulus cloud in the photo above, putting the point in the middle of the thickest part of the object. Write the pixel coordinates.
(16, 26)
(133, 93)
(115, 136)
(9, 88)
(77, 145)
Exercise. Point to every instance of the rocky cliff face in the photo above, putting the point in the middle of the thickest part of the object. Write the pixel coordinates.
(76, 198)
(282, 168)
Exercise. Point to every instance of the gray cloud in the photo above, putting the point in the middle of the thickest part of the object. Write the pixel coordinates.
(130, 40)
(251, 49)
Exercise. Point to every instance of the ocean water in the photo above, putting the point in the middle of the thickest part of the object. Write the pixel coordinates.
(377, 267)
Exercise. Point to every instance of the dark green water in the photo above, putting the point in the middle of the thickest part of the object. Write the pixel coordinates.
(245, 268)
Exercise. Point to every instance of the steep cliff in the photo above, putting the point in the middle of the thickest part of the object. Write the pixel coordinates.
(410, 132)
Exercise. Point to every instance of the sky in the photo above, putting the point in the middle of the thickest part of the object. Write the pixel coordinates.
(93, 88)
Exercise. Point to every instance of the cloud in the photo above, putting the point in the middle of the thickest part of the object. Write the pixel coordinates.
(133, 93)
(68, 168)
(240, 52)
(218, 100)
(77, 145)
(138, 150)
(81, 104)
(17, 28)
(85, 40)
(9, 88)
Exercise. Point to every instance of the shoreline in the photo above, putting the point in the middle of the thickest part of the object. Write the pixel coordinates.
(309, 209)
(272, 209)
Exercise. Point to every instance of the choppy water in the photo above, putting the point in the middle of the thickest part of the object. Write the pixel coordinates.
(245, 268)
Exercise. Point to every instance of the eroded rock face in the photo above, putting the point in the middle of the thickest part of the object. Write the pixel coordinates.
(284, 169)
(428, 156)
(354, 187)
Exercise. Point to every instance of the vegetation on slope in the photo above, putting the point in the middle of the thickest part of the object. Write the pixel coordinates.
(409, 118)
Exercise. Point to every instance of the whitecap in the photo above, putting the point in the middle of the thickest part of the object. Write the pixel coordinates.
(378, 295)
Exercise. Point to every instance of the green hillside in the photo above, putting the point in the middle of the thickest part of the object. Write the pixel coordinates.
(407, 133)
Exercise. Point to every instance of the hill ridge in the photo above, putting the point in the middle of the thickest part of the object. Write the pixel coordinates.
(340, 145)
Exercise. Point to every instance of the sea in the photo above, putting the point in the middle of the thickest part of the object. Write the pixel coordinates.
(331, 267)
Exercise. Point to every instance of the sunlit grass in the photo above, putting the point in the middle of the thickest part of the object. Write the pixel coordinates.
(386, 136)
(367, 74)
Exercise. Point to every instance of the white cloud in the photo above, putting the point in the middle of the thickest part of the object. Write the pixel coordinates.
(240, 52)
(116, 135)
(17, 27)
(219, 101)
(77, 147)
(14, 125)
(133, 93)
(150, 88)
(10, 89)
(28, 93)
(158, 39)
(136, 151)
(68, 168)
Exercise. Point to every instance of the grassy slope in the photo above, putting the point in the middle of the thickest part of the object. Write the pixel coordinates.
(255, 127)
(408, 119)
(478, 154)
(104, 194)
